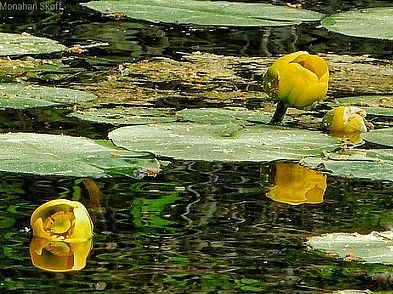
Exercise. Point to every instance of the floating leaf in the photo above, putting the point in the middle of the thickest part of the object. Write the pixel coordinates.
(380, 136)
(126, 115)
(45, 154)
(375, 247)
(25, 44)
(222, 115)
(222, 142)
(369, 23)
(374, 164)
(375, 105)
(22, 96)
(207, 13)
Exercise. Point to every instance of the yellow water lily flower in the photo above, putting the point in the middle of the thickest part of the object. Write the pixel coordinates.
(346, 122)
(295, 184)
(62, 220)
(297, 80)
(58, 256)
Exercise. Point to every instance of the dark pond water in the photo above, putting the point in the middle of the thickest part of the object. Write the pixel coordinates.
(197, 227)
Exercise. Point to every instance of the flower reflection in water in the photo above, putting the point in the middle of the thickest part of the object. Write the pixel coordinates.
(59, 256)
(63, 233)
(295, 184)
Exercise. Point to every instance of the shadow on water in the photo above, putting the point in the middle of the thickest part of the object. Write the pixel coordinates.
(197, 227)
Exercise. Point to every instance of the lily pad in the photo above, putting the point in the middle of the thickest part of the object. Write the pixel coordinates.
(375, 247)
(381, 105)
(207, 13)
(374, 164)
(222, 142)
(368, 23)
(222, 115)
(44, 154)
(380, 136)
(25, 44)
(126, 115)
(22, 96)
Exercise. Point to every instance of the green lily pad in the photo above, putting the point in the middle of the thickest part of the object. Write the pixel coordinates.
(368, 23)
(22, 96)
(25, 44)
(208, 13)
(44, 154)
(374, 164)
(223, 142)
(375, 105)
(126, 115)
(375, 247)
(222, 115)
(380, 136)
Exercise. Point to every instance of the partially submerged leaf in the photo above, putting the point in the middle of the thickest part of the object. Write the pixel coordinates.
(222, 142)
(126, 115)
(22, 96)
(369, 23)
(25, 44)
(222, 115)
(208, 13)
(375, 247)
(59, 155)
(374, 164)
(381, 136)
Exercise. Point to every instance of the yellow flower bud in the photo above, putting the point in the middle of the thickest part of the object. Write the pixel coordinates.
(62, 220)
(346, 122)
(58, 256)
(295, 184)
(298, 80)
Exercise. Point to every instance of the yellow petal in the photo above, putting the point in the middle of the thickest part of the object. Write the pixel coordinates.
(346, 122)
(355, 124)
(38, 229)
(299, 79)
(50, 207)
(62, 219)
(334, 119)
(83, 229)
(313, 63)
(294, 86)
(288, 58)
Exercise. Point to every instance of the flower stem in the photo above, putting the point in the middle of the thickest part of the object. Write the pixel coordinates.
(279, 113)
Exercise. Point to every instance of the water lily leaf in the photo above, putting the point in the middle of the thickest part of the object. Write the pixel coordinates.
(22, 96)
(58, 155)
(126, 115)
(374, 164)
(209, 13)
(369, 23)
(222, 115)
(25, 44)
(380, 136)
(375, 247)
(376, 105)
(222, 142)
